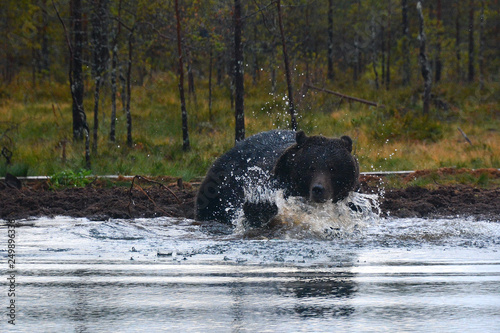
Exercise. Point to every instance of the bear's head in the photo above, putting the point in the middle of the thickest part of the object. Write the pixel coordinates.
(318, 168)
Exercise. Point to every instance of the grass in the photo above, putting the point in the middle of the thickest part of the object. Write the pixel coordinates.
(480, 178)
(36, 126)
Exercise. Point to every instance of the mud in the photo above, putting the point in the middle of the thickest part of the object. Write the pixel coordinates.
(443, 201)
(97, 201)
(100, 201)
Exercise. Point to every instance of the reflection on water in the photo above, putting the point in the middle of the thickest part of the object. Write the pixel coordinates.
(399, 275)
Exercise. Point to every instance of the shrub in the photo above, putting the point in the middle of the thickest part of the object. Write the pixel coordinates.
(70, 178)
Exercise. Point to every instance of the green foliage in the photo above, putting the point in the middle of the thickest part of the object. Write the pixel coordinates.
(385, 139)
(70, 178)
(37, 103)
(407, 126)
(16, 169)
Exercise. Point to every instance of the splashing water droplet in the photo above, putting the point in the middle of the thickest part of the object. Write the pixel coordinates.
(299, 218)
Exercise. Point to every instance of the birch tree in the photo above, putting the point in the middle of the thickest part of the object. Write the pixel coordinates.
(99, 20)
(291, 106)
(239, 112)
(75, 74)
(406, 75)
(185, 133)
(471, 73)
(424, 61)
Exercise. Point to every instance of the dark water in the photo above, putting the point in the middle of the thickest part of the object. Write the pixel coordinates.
(391, 275)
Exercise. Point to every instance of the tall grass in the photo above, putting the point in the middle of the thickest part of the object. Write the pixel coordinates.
(36, 126)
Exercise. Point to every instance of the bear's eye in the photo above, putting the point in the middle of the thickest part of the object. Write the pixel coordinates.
(332, 170)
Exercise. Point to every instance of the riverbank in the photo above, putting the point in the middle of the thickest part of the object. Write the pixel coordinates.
(426, 194)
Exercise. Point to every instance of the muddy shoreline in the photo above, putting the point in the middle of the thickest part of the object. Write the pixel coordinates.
(167, 197)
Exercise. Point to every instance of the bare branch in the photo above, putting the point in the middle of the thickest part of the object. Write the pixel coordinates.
(464, 135)
(351, 98)
(66, 34)
(144, 192)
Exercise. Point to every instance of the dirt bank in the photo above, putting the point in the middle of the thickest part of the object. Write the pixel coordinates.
(100, 200)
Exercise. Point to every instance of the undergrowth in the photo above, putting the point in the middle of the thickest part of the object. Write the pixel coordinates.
(36, 127)
(70, 178)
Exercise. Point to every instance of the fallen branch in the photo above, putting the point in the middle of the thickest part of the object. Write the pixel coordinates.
(12, 127)
(7, 154)
(464, 135)
(144, 192)
(351, 98)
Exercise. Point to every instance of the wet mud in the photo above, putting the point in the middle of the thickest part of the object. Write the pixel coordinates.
(443, 201)
(101, 201)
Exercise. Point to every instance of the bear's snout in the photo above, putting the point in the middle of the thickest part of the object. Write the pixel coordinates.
(318, 193)
(321, 190)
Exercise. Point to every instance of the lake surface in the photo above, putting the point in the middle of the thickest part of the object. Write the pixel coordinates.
(154, 275)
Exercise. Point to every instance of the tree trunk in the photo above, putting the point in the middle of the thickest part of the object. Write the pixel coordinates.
(34, 66)
(80, 127)
(471, 74)
(374, 51)
(291, 106)
(210, 117)
(44, 47)
(77, 85)
(424, 62)
(191, 88)
(123, 82)
(238, 75)
(220, 68)
(389, 42)
(119, 68)
(114, 61)
(96, 113)
(255, 63)
(330, 40)
(481, 47)
(101, 55)
(129, 89)
(185, 133)
(382, 50)
(438, 61)
(306, 43)
(96, 30)
(355, 73)
(457, 42)
(405, 40)
(272, 64)
(357, 50)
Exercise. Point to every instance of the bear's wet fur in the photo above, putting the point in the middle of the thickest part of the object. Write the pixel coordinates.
(316, 168)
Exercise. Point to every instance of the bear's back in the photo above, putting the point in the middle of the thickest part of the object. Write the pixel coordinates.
(262, 149)
(252, 158)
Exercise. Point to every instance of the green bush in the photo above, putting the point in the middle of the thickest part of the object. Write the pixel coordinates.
(16, 169)
(69, 178)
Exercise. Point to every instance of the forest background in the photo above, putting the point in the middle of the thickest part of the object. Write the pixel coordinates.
(96, 84)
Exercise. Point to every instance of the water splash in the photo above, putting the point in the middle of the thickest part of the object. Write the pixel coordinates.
(257, 185)
(299, 218)
(329, 220)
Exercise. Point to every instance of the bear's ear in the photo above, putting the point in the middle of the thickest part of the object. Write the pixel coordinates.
(300, 138)
(347, 141)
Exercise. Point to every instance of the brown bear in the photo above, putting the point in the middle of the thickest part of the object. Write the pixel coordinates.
(316, 168)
